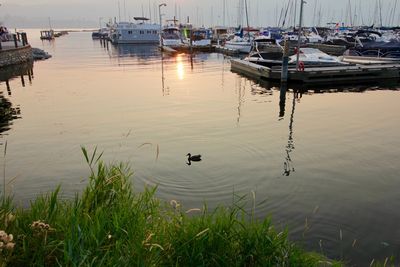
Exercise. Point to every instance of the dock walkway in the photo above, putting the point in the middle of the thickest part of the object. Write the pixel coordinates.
(351, 73)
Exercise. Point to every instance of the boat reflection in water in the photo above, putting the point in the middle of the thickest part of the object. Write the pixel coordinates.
(142, 51)
(8, 77)
(291, 95)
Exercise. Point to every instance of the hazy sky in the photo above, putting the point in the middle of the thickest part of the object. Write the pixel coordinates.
(208, 12)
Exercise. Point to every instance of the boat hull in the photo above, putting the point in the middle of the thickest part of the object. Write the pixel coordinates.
(242, 47)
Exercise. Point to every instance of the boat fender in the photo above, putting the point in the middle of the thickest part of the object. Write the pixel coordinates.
(301, 66)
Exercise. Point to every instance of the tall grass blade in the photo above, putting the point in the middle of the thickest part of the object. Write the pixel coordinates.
(85, 154)
(4, 170)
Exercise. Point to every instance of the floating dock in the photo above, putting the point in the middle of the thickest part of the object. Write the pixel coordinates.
(352, 73)
(370, 60)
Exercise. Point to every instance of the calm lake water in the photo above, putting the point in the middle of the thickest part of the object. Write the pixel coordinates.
(328, 168)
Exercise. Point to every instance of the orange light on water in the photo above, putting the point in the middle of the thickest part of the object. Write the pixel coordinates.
(180, 67)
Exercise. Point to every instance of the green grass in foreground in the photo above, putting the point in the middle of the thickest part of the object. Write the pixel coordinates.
(109, 225)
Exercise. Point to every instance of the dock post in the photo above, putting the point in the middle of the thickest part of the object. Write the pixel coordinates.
(22, 80)
(29, 76)
(24, 38)
(15, 40)
(284, 77)
(282, 100)
(191, 42)
(8, 87)
(1, 46)
(285, 62)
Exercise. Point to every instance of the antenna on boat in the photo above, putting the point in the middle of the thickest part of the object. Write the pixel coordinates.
(223, 12)
(49, 23)
(119, 12)
(159, 13)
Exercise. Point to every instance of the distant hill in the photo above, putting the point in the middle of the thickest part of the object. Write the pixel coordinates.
(25, 22)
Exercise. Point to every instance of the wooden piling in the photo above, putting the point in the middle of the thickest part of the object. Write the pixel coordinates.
(22, 80)
(284, 77)
(282, 100)
(24, 38)
(15, 40)
(285, 62)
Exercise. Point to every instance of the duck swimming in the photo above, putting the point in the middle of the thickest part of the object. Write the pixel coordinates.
(194, 157)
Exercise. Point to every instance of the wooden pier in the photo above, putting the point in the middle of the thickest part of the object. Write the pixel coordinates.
(352, 73)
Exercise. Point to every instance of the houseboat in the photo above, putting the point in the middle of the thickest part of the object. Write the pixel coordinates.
(139, 32)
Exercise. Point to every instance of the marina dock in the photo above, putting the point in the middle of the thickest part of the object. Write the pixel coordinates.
(352, 73)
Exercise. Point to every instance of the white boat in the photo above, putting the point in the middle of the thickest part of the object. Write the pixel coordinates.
(243, 45)
(200, 37)
(219, 33)
(268, 53)
(135, 33)
(313, 56)
(265, 51)
(171, 36)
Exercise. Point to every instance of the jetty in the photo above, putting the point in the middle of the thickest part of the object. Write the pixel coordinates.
(344, 74)
(16, 50)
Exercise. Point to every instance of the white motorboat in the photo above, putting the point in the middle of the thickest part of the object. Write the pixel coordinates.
(135, 33)
(265, 51)
(313, 56)
(270, 54)
(241, 44)
(200, 37)
(171, 36)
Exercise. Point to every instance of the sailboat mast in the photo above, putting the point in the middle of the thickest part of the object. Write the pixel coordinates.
(299, 33)
(350, 15)
(295, 15)
(315, 9)
(119, 12)
(151, 21)
(247, 18)
(49, 23)
(394, 11)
